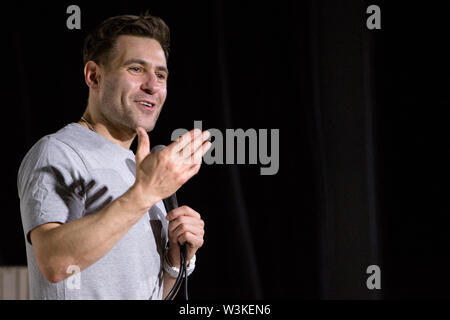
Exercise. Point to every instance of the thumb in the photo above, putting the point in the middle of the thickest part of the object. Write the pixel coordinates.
(143, 147)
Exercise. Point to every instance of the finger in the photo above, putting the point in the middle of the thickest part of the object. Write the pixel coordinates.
(182, 211)
(206, 146)
(192, 171)
(191, 239)
(198, 155)
(195, 144)
(143, 147)
(187, 228)
(185, 220)
(195, 168)
(184, 140)
(192, 153)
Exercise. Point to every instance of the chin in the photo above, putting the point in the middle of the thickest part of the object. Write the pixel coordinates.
(147, 127)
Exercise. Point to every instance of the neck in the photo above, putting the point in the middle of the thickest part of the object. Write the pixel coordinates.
(120, 135)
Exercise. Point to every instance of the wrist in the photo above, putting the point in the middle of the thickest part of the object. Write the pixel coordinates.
(173, 255)
(173, 271)
(143, 201)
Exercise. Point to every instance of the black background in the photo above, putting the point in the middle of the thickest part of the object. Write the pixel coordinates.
(363, 118)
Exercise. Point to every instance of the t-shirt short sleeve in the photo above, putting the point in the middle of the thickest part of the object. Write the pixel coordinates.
(51, 184)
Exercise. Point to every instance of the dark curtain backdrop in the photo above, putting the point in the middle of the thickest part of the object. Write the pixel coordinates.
(363, 119)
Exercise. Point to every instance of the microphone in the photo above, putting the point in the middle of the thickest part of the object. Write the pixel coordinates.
(171, 203)
(157, 148)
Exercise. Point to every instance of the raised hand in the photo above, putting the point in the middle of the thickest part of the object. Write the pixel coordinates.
(160, 174)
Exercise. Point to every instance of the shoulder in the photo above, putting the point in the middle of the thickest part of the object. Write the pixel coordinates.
(51, 151)
(51, 148)
(66, 141)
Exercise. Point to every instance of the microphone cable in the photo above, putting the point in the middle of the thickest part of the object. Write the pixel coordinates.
(171, 203)
(184, 262)
(181, 274)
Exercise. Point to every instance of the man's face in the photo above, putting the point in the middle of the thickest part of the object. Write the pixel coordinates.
(134, 85)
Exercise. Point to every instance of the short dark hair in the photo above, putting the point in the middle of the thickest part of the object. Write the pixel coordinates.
(98, 43)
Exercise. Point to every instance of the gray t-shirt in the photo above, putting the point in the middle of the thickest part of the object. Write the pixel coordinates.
(73, 173)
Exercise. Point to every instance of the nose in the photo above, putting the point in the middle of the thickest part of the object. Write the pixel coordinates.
(151, 85)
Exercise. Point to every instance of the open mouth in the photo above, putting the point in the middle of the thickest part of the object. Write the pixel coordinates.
(147, 105)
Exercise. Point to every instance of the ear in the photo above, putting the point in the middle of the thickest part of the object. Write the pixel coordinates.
(92, 74)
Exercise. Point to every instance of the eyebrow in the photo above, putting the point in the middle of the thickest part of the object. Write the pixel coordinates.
(143, 62)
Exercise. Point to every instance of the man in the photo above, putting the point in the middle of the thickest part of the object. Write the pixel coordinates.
(88, 203)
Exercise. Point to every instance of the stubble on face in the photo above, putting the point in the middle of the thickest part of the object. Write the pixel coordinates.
(120, 90)
(116, 113)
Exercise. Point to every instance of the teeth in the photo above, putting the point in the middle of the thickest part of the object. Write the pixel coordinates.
(146, 104)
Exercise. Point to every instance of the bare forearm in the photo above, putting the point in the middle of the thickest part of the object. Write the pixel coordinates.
(84, 241)
(169, 282)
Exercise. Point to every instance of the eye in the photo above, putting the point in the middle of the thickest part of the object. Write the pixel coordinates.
(135, 69)
(161, 76)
